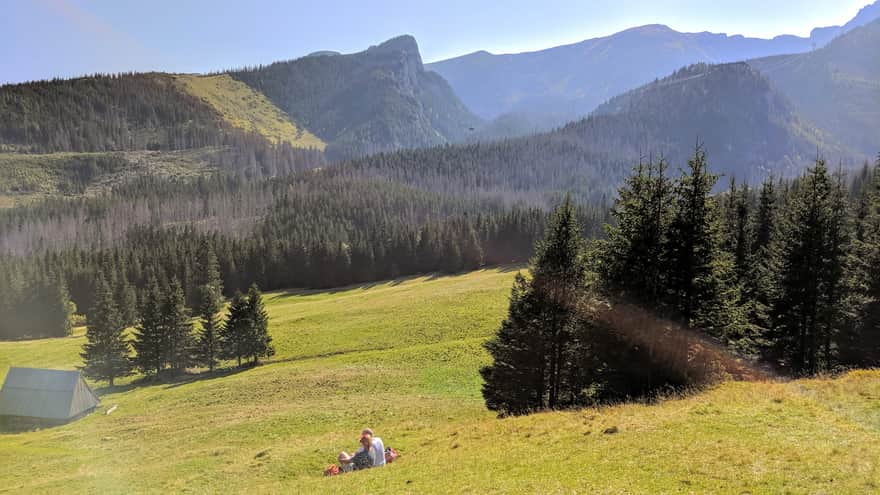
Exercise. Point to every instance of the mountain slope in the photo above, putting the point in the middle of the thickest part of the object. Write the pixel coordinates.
(380, 99)
(749, 128)
(247, 109)
(867, 14)
(837, 87)
(105, 113)
(570, 81)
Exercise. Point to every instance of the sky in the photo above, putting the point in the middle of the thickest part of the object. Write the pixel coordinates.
(65, 38)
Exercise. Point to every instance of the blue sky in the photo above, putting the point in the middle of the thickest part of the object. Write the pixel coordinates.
(47, 38)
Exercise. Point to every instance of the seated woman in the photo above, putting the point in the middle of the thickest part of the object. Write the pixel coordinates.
(371, 453)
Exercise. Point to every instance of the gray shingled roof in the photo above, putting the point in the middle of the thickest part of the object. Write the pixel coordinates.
(48, 394)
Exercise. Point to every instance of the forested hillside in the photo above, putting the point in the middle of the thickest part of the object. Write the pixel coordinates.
(750, 128)
(380, 99)
(105, 113)
(271, 219)
(311, 229)
(146, 172)
(836, 87)
(247, 109)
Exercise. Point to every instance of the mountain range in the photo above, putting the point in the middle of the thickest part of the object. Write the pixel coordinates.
(837, 87)
(567, 82)
(377, 100)
(382, 110)
(747, 127)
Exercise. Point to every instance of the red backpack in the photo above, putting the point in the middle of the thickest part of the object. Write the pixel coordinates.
(390, 454)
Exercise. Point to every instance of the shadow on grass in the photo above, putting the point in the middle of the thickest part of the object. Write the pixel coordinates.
(174, 380)
(394, 282)
(187, 378)
(510, 268)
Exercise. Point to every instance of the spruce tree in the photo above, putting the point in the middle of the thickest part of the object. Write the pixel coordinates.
(559, 274)
(177, 327)
(207, 349)
(59, 308)
(514, 383)
(863, 346)
(631, 260)
(738, 228)
(106, 351)
(259, 341)
(536, 347)
(870, 330)
(759, 286)
(693, 241)
(701, 280)
(126, 300)
(210, 302)
(813, 295)
(235, 333)
(150, 338)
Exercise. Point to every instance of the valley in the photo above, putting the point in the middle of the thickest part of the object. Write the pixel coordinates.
(646, 262)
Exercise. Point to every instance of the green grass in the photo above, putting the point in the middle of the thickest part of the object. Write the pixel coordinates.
(247, 109)
(402, 357)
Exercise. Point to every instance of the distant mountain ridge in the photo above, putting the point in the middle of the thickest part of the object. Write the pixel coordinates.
(748, 129)
(837, 87)
(570, 81)
(380, 99)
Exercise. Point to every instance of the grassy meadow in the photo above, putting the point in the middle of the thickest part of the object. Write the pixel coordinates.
(247, 109)
(402, 357)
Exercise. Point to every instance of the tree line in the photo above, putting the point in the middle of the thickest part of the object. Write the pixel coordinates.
(316, 232)
(106, 113)
(787, 275)
(164, 339)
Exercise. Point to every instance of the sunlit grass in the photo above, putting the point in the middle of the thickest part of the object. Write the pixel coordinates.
(247, 109)
(402, 357)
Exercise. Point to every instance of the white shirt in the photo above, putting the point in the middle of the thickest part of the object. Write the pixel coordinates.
(377, 452)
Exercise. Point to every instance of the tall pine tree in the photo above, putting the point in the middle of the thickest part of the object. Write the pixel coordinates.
(632, 260)
(106, 351)
(535, 354)
(150, 339)
(812, 303)
(701, 281)
(235, 333)
(760, 283)
(177, 327)
(259, 341)
(210, 302)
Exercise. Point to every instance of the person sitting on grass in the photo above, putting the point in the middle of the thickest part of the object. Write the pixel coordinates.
(371, 453)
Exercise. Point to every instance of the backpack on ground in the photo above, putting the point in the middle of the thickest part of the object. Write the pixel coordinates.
(390, 454)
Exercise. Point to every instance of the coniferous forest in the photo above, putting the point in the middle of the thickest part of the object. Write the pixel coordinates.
(784, 274)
